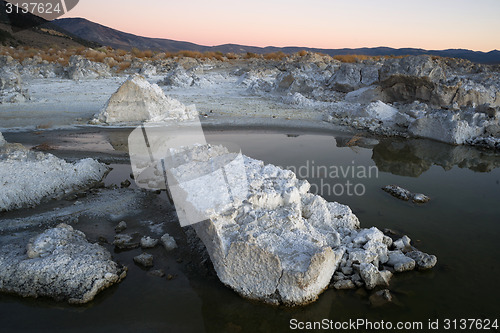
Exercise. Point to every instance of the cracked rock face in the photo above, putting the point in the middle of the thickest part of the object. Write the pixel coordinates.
(281, 244)
(59, 263)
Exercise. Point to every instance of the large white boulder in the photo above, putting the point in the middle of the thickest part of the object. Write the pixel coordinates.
(278, 243)
(137, 100)
(59, 263)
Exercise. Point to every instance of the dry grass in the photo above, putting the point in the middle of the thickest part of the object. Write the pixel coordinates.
(302, 53)
(43, 147)
(275, 56)
(123, 66)
(44, 126)
(251, 55)
(121, 59)
(351, 58)
(232, 56)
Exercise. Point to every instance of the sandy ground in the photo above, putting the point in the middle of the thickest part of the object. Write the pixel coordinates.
(60, 103)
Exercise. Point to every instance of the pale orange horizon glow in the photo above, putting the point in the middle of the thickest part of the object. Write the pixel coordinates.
(432, 25)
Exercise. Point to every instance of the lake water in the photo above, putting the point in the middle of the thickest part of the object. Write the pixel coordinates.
(460, 225)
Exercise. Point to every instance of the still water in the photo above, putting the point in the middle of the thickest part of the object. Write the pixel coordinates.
(460, 225)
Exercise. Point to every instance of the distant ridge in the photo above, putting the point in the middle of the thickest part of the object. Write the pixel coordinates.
(98, 33)
(26, 29)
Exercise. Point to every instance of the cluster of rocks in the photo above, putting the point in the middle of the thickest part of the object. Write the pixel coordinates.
(80, 67)
(59, 263)
(10, 82)
(128, 242)
(281, 244)
(449, 100)
(180, 77)
(371, 259)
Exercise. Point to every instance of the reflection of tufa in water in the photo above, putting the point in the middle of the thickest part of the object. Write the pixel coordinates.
(413, 157)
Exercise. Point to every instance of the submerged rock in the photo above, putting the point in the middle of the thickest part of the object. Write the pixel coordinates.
(121, 226)
(381, 298)
(403, 194)
(59, 263)
(124, 241)
(137, 100)
(145, 260)
(423, 260)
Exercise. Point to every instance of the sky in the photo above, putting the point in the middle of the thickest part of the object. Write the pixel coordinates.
(427, 24)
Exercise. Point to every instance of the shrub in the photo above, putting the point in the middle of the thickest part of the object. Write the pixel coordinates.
(275, 56)
(302, 53)
(123, 66)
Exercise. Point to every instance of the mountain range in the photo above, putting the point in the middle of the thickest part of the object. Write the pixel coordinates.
(80, 31)
(117, 39)
(26, 29)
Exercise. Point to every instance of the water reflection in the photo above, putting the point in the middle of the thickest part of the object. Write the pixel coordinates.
(413, 157)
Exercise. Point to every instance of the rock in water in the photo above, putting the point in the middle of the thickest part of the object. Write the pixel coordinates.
(29, 177)
(281, 244)
(274, 241)
(137, 100)
(124, 241)
(400, 262)
(403, 194)
(423, 260)
(148, 242)
(381, 298)
(145, 260)
(168, 242)
(121, 226)
(59, 263)
(398, 192)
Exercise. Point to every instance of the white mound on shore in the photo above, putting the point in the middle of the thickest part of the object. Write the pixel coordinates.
(137, 100)
(59, 263)
(2, 140)
(281, 244)
(28, 177)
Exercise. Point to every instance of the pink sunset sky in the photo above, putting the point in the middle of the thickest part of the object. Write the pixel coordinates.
(428, 24)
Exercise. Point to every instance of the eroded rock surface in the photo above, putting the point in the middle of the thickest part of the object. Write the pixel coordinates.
(137, 100)
(28, 177)
(59, 263)
(280, 243)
